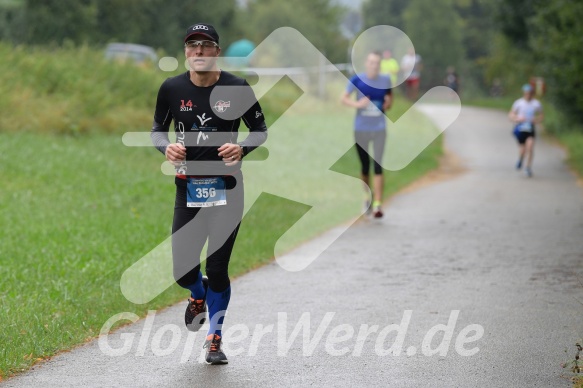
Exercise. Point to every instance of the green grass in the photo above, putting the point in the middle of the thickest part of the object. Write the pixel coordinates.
(574, 143)
(567, 133)
(72, 91)
(502, 103)
(78, 207)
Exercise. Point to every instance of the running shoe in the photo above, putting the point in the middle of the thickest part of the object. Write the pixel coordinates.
(519, 164)
(214, 354)
(378, 212)
(529, 172)
(195, 314)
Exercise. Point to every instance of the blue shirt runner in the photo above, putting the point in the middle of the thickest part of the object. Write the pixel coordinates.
(372, 118)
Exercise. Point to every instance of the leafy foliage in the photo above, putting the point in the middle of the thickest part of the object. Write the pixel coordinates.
(556, 38)
(158, 23)
(317, 20)
(513, 16)
(437, 39)
(384, 12)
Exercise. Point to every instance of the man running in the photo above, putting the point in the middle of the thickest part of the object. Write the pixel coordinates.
(373, 98)
(206, 105)
(525, 113)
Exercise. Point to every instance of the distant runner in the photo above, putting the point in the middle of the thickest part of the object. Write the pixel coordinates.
(526, 112)
(373, 98)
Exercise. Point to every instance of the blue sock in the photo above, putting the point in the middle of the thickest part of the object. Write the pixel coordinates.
(197, 290)
(217, 303)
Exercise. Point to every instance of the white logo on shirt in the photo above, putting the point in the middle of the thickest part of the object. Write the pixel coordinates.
(203, 119)
(222, 106)
(201, 135)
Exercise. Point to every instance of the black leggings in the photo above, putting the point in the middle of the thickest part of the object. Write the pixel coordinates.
(362, 139)
(193, 226)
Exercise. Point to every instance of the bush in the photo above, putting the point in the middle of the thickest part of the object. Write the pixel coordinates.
(73, 91)
(556, 41)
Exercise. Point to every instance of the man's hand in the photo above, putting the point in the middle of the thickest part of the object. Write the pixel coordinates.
(175, 153)
(231, 153)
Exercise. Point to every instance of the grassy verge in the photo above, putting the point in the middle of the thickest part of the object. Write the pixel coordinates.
(570, 135)
(78, 207)
(72, 91)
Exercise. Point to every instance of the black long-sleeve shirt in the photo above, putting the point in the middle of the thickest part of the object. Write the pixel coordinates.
(206, 118)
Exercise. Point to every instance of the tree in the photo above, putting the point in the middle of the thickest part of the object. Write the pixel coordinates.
(162, 23)
(384, 12)
(125, 21)
(157, 23)
(11, 20)
(513, 16)
(477, 25)
(511, 58)
(318, 20)
(438, 39)
(57, 21)
(545, 37)
(479, 39)
(555, 38)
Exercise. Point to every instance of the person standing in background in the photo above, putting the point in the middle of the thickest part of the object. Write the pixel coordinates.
(452, 80)
(390, 67)
(411, 67)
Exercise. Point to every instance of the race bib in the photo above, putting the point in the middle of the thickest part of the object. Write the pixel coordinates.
(206, 192)
(525, 127)
(373, 109)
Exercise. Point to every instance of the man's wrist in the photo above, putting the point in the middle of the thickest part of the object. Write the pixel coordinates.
(244, 150)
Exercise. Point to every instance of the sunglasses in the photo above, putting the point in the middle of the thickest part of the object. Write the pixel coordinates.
(205, 44)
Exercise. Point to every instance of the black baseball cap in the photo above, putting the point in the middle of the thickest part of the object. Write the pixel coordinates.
(202, 29)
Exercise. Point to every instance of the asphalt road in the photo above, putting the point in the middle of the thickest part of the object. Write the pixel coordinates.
(492, 254)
